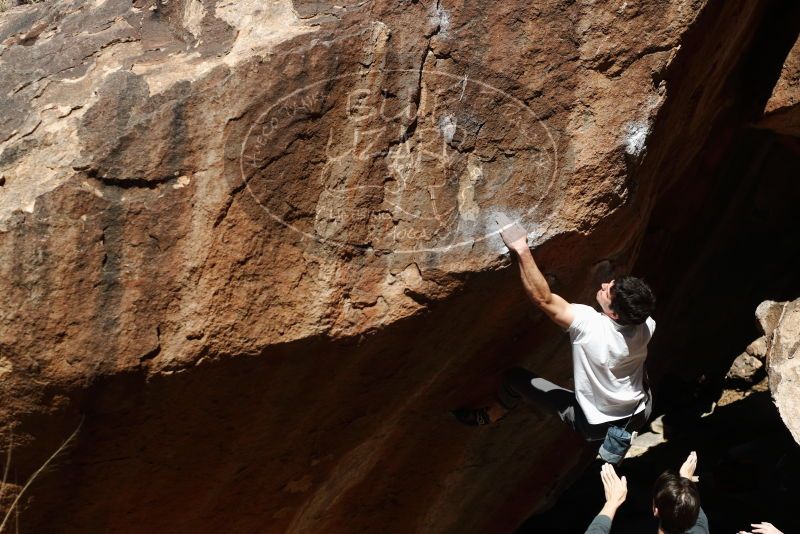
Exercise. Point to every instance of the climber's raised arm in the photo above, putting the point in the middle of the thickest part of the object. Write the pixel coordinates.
(534, 282)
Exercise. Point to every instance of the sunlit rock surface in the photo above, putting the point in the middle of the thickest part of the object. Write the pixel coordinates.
(782, 112)
(781, 324)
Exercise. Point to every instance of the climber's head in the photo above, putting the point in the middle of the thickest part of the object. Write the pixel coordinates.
(676, 503)
(627, 300)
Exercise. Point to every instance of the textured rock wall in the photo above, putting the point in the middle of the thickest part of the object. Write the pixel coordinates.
(780, 322)
(252, 244)
(782, 111)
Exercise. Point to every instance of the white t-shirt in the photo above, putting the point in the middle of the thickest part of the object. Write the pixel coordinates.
(608, 360)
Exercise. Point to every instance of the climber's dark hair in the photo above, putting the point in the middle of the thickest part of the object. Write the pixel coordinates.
(632, 300)
(677, 501)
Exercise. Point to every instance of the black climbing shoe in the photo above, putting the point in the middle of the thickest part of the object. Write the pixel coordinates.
(476, 417)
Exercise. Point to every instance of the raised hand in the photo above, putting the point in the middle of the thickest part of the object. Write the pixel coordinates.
(762, 528)
(689, 466)
(616, 488)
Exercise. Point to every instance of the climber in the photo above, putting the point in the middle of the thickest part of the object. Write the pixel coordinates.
(676, 501)
(608, 354)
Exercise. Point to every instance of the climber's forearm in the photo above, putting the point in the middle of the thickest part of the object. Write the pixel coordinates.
(536, 286)
(538, 290)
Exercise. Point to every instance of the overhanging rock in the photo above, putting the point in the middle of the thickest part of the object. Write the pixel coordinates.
(253, 244)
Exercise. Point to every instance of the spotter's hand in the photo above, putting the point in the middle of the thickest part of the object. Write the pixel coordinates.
(689, 466)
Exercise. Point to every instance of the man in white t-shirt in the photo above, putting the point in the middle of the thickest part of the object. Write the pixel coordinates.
(609, 349)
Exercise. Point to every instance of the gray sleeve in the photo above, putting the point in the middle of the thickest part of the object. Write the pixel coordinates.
(701, 525)
(600, 525)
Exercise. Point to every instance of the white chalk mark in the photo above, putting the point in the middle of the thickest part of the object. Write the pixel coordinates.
(636, 137)
(468, 209)
(447, 126)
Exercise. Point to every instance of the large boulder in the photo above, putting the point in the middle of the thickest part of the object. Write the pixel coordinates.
(780, 322)
(252, 245)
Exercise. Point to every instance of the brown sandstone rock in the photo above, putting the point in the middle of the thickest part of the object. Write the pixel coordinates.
(781, 323)
(758, 348)
(253, 244)
(782, 112)
(768, 315)
(745, 368)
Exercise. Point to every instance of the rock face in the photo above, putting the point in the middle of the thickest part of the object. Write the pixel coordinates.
(782, 112)
(781, 324)
(745, 368)
(252, 245)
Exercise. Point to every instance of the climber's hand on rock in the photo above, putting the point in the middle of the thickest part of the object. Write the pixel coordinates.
(514, 236)
(616, 488)
(689, 466)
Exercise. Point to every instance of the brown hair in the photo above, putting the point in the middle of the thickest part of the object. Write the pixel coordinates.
(632, 300)
(677, 501)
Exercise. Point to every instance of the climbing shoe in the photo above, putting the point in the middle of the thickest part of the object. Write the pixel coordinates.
(473, 417)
